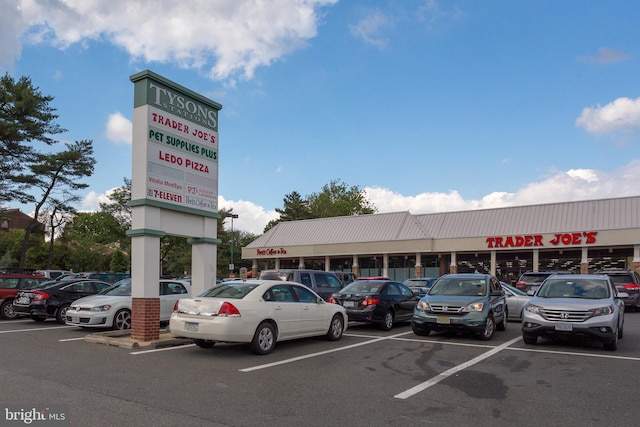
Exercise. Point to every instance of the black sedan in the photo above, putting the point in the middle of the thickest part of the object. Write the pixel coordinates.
(52, 299)
(382, 302)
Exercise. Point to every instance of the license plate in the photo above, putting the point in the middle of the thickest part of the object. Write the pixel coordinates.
(445, 320)
(191, 327)
(564, 327)
(348, 304)
(75, 319)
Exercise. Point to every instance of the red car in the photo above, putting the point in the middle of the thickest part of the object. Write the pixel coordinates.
(10, 284)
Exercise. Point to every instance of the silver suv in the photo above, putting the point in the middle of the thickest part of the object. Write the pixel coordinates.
(575, 306)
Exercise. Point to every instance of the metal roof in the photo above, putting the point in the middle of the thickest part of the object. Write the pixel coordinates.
(594, 215)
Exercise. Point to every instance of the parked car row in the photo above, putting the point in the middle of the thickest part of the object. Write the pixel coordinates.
(261, 312)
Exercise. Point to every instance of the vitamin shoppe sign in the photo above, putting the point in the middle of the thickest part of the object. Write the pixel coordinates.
(537, 240)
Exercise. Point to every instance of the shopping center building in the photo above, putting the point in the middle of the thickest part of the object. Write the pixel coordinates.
(581, 237)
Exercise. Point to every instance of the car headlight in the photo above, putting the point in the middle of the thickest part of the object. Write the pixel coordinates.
(101, 308)
(423, 305)
(602, 311)
(532, 308)
(476, 306)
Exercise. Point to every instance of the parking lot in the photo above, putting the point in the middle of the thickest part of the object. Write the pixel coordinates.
(369, 377)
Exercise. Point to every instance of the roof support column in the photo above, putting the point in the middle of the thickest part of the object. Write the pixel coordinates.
(635, 264)
(385, 265)
(536, 260)
(492, 268)
(277, 264)
(327, 263)
(584, 261)
(418, 272)
(301, 263)
(355, 268)
(453, 267)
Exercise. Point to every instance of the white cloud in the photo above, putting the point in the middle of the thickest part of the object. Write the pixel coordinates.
(572, 185)
(92, 200)
(605, 56)
(251, 217)
(226, 38)
(11, 26)
(368, 28)
(621, 115)
(119, 128)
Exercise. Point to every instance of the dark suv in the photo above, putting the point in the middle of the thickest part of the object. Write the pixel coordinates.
(324, 283)
(627, 281)
(462, 302)
(531, 280)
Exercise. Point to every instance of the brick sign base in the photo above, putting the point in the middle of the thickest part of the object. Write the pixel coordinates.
(145, 319)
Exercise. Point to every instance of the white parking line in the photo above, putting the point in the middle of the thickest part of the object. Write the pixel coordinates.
(71, 339)
(155, 350)
(35, 329)
(321, 353)
(435, 380)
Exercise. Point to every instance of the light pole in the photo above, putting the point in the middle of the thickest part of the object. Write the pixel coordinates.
(231, 266)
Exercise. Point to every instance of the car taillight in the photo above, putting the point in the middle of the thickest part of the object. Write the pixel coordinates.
(631, 286)
(369, 301)
(229, 310)
(39, 296)
(332, 300)
(521, 285)
(175, 306)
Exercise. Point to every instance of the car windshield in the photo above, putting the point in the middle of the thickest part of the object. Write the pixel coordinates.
(574, 288)
(457, 286)
(621, 279)
(234, 291)
(417, 282)
(273, 275)
(534, 278)
(363, 287)
(513, 290)
(121, 289)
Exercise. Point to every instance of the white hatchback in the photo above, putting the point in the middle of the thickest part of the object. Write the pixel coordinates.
(259, 312)
(112, 308)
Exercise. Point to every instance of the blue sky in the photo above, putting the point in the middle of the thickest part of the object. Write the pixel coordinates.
(427, 105)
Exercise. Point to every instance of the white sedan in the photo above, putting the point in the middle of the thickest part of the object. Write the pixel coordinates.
(259, 312)
(112, 308)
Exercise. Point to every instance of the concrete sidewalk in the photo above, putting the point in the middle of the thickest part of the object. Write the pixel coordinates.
(123, 339)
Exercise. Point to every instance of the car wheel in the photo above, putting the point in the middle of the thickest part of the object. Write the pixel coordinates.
(335, 328)
(421, 332)
(61, 314)
(7, 311)
(530, 339)
(502, 326)
(264, 339)
(611, 345)
(122, 320)
(489, 329)
(38, 318)
(387, 321)
(204, 343)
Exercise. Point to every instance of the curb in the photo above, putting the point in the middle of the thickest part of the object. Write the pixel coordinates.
(122, 339)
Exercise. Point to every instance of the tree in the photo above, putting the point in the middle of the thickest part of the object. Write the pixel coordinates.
(54, 174)
(120, 211)
(54, 217)
(25, 118)
(335, 199)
